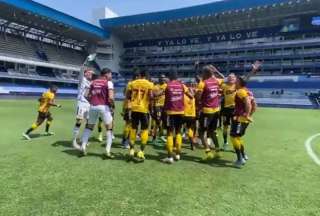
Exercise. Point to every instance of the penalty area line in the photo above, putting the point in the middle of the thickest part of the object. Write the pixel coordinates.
(311, 153)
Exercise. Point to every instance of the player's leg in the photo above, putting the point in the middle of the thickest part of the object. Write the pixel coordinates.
(133, 132)
(48, 124)
(93, 118)
(107, 120)
(126, 130)
(178, 122)
(203, 131)
(40, 119)
(237, 131)
(170, 144)
(190, 125)
(212, 130)
(100, 133)
(144, 125)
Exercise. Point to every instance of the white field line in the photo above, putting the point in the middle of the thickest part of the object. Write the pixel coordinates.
(311, 153)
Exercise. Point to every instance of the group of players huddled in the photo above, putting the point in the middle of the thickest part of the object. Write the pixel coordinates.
(168, 107)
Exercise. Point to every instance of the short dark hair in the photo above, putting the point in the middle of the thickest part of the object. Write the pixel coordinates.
(105, 71)
(173, 75)
(143, 73)
(207, 71)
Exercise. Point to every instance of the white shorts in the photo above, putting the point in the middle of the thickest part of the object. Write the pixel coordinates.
(83, 110)
(100, 111)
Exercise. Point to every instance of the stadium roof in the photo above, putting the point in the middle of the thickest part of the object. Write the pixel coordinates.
(203, 19)
(36, 15)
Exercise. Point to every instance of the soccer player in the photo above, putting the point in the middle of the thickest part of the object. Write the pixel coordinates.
(140, 94)
(208, 94)
(174, 108)
(101, 98)
(83, 104)
(126, 113)
(46, 101)
(228, 92)
(158, 107)
(245, 106)
(190, 116)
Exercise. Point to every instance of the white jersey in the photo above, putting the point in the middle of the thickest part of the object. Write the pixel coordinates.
(84, 87)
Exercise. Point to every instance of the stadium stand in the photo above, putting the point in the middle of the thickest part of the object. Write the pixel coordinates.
(231, 35)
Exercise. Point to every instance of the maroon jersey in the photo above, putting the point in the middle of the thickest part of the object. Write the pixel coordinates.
(174, 100)
(240, 106)
(210, 95)
(99, 94)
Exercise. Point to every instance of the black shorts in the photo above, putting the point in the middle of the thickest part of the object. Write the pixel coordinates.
(238, 129)
(189, 121)
(158, 113)
(127, 115)
(174, 121)
(44, 116)
(209, 121)
(138, 118)
(227, 114)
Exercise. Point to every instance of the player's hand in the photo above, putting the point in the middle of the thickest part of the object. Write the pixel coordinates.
(256, 66)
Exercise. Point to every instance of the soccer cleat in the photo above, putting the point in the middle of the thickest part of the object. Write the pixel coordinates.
(225, 146)
(108, 155)
(49, 134)
(164, 139)
(168, 160)
(217, 155)
(26, 136)
(83, 151)
(75, 144)
(140, 155)
(238, 164)
(246, 157)
(177, 157)
(113, 137)
(243, 161)
(100, 137)
(209, 156)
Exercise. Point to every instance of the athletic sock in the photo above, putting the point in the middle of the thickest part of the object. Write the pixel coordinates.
(178, 143)
(85, 137)
(109, 141)
(225, 134)
(76, 131)
(215, 140)
(133, 136)
(48, 126)
(170, 145)
(144, 139)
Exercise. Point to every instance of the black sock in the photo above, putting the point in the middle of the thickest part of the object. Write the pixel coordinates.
(47, 127)
(242, 151)
(29, 130)
(225, 138)
(215, 141)
(238, 152)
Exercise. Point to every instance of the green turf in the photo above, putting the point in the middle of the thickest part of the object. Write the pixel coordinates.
(46, 177)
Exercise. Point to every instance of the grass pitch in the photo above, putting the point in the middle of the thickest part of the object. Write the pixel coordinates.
(46, 177)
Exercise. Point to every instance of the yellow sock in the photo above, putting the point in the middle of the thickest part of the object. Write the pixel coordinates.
(236, 142)
(170, 144)
(144, 137)
(133, 135)
(178, 143)
(126, 130)
(190, 133)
